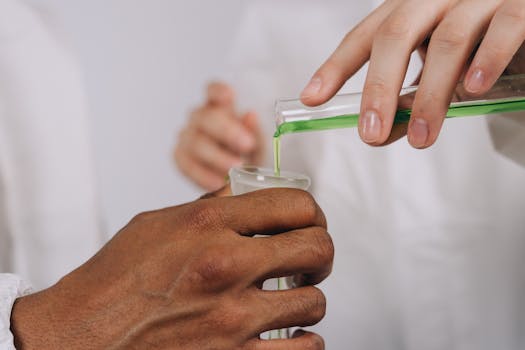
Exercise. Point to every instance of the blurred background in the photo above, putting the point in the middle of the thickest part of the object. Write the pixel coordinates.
(145, 63)
(430, 244)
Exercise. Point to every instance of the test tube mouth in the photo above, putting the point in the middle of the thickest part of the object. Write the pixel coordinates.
(279, 118)
(293, 110)
(265, 178)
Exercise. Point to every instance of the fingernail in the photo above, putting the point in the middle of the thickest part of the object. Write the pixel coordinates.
(476, 81)
(371, 127)
(313, 88)
(419, 131)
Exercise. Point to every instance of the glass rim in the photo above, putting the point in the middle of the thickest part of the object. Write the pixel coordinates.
(258, 174)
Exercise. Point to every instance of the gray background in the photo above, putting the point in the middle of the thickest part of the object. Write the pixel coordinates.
(146, 63)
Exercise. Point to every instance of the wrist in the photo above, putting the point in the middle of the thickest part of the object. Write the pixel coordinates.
(55, 318)
(72, 315)
(32, 324)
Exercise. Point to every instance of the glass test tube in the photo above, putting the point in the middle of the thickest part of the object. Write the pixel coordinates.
(248, 179)
(342, 111)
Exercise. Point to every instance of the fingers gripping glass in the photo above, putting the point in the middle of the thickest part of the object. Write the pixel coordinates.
(248, 179)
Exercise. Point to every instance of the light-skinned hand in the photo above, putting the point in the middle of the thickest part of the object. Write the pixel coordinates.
(472, 39)
(217, 138)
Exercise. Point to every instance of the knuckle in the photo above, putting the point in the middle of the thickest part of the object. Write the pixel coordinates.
(215, 266)
(449, 38)
(430, 103)
(319, 305)
(312, 306)
(231, 318)
(148, 224)
(333, 66)
(309, 206)
(144, 218)
(513, 14)
(377, 86)
(498, 52)
(238, 317)
(205, 215)
(325, 247)
(315, 342)
(396, 27)
(319, 246)
(358, 31)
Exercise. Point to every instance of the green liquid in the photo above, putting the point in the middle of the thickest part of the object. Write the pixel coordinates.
(403, 116)
(351, 121)
(277, 155)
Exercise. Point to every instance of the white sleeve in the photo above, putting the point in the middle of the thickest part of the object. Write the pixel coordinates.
(508, 135)
(11, 288)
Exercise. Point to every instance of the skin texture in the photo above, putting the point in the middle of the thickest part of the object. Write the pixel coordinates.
(189, 277)
(474, 40)
(217, 138)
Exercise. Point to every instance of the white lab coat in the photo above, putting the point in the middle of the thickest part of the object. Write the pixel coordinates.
(430, 245)
(49, 219)
(49, 216)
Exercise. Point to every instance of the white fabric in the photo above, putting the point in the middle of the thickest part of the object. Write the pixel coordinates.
(11, 288)
(49, 222)
(430, 245)
(49, 214)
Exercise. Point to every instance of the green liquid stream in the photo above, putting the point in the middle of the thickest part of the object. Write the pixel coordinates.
(277, 155)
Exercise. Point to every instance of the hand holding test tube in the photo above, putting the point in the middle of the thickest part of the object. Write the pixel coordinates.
(342, 111)
(248, 179)
(478, 40)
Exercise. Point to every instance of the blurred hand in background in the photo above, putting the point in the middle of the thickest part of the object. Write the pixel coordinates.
(217, 138)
